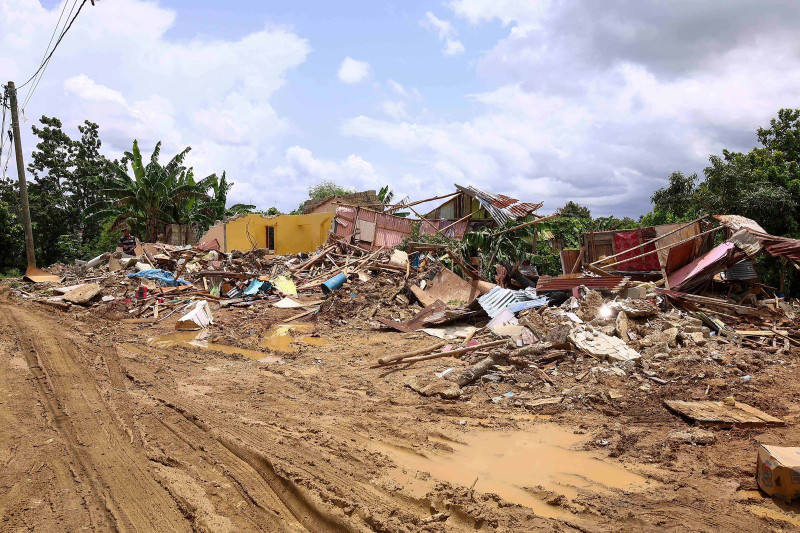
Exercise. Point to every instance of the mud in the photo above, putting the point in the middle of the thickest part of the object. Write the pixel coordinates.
(523, 467)
(112, 427)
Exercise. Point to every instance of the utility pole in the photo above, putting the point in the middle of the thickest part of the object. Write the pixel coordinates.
(23, 184)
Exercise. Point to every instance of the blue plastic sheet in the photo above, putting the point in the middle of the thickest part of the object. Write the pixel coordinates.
(253, 288)
(516, 307)
(159, 275)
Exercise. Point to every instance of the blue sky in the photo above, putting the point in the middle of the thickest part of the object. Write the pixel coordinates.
(540, 100)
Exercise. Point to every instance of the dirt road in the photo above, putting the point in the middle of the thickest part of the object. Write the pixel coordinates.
(101, 430)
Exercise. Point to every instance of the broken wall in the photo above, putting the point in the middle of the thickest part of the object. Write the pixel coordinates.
(293, 233)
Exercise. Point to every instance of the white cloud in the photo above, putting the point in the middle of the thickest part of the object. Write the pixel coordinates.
(443, 28)
(395, 109)
(118, 67)
(445, 31)
(453, 48)
(301, 169)
(352, 70)
(84, 87)
(399, 90)
(600, 107)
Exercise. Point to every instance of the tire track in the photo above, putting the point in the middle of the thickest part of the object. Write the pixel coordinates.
(125, 495)
(296, 503)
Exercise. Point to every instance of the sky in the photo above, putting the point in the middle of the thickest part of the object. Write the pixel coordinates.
(596, 102)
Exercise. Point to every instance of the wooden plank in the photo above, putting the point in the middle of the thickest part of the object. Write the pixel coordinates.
(760, 333)
(718, 413)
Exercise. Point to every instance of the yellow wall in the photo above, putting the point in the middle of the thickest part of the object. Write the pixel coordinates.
(293, 233)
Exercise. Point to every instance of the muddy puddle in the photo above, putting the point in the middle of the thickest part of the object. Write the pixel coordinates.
(281, 337)
(524, 467)
(198, 340)
(764, 512)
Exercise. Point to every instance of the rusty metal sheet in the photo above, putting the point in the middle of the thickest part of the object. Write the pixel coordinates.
(455, 291)
(456, 231)
(563, 283)
(568, 258)
(737, 222)
(500, 207)
(389, 230)
(779, 246)
(417, 321)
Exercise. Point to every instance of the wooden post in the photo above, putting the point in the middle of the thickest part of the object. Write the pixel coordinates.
(23, 184)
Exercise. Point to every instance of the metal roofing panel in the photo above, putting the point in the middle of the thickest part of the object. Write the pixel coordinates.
(497, 299)
(500, 207)
(609, 283)
(741, 271)
(737, 222)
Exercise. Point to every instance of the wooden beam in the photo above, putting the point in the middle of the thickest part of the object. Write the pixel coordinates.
(451, 353)
(526, 224)
(459, 220)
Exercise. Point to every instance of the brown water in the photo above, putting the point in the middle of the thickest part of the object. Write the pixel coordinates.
(197, 339)
(764, 512)
(520, 466)
(279, 337)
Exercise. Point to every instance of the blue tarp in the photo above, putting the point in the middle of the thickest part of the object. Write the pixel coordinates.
(159, 275)
(516, 307)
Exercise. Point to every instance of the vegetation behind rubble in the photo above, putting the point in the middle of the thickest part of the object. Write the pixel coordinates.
(71, 179)
(152, 195)
(762, 184)
(70, 175)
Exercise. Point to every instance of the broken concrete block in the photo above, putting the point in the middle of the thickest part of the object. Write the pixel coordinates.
(83, 294)
(433, 387)
(667, 337)
(622, 326)
(692, 436)
(696, 337)
(637, 292)
(602, 346)
(635, 307)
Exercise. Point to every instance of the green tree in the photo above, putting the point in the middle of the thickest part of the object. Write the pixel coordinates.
(154, 196)
(575, 210)
(386, 195)
(12, 239)
(328, 188)
(65, 182)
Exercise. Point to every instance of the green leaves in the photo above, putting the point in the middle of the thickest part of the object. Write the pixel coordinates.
(159, 195)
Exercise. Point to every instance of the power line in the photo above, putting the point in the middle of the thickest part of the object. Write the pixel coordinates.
(44, 55)
(8, 157)
(47, 59)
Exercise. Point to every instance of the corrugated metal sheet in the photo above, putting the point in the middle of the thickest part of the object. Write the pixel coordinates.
(568, 258)
(746, 242)
(779, 246)
(500, 207)
(390, 230)
(497, 299)
(741, 271)
(600, 283)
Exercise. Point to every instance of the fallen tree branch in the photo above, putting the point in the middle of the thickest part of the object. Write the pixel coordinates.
(451, 353)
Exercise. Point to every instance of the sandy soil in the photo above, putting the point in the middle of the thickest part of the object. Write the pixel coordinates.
(105, 426)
